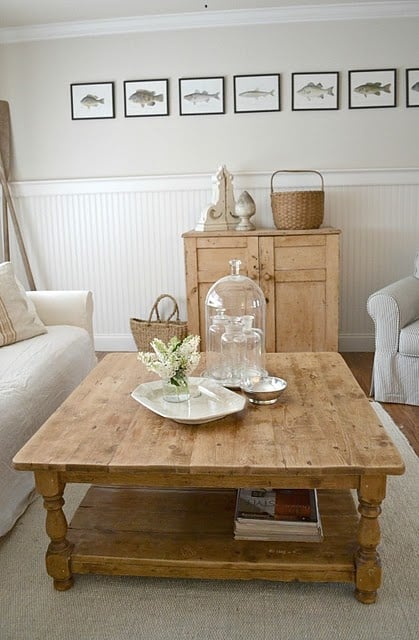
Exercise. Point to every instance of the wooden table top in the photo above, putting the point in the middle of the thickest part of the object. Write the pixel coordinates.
(323, 424)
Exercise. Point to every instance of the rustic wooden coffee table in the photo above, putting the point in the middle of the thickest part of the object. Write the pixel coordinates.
(162, 495)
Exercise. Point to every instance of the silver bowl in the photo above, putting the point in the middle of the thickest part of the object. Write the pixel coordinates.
(263, 389)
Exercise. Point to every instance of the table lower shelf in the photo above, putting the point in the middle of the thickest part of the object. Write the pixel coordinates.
(189, 533)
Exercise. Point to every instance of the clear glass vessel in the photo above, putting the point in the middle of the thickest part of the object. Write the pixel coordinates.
(253, 362)
(178, 392)
(233, 346)
(237, 297)
(215, 365)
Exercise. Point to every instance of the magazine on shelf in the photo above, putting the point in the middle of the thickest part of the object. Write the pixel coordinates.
(277, 514)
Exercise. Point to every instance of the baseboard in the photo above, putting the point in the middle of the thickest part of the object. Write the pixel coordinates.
(125, 342)
(356, 342)
(114, 342)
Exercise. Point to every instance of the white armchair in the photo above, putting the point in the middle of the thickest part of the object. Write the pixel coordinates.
(395, 312)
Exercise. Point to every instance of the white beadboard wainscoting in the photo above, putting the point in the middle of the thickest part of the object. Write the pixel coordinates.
(121, 238)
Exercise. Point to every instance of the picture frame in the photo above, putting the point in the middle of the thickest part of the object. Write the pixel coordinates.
(201, 96)
(412, 87)
(92, 100)
(257, 93)
(315, 91)
(372, 88)
(145, 98)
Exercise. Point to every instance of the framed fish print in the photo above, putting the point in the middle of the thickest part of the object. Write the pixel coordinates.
(412, 87)
(198, 96)
(315, 91)
(146, 98)
(92, 101)
(371, 89)
(256, 93)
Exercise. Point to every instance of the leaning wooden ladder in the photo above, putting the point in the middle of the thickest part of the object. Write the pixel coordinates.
(7, 202)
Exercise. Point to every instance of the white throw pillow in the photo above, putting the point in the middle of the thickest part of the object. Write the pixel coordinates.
(18, 317)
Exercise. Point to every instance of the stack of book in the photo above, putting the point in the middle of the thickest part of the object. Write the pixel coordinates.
(277, 514)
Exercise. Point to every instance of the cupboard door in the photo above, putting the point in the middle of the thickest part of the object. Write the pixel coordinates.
(207, 260)
(306, 273)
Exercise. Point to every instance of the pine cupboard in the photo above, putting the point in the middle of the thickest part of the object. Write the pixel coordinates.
(298, 272)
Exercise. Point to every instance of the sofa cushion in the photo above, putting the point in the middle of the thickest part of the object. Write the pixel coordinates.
(18, 318)
(409, 340)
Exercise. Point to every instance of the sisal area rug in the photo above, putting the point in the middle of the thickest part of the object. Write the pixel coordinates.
(126, 608)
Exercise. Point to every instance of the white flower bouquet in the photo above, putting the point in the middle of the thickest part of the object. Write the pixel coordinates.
(173, 361)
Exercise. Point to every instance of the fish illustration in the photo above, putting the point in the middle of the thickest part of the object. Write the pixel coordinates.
(312, 90)
(91, 101)
(146, 98)
(374, 88)
(256, 93)
(415, 87)
(201, 96)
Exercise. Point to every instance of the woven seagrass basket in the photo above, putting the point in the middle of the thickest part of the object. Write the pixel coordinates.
(144, 331)
(297, 209)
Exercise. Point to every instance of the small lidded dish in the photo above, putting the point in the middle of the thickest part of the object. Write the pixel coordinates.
(263, 389)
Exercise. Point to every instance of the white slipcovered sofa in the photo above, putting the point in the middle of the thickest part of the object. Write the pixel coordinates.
(395, 312)
(36, 376)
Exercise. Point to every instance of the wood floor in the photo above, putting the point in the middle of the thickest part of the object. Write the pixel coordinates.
(405, 416)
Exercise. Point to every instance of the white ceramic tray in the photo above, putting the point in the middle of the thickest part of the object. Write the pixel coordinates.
(209, 401)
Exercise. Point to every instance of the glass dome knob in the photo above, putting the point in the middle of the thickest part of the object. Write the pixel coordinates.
(235, 265)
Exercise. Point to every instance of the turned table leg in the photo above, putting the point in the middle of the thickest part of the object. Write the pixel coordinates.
(59, 550)
(367, 560)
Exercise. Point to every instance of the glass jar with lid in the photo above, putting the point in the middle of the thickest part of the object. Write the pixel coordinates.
(253, 359)
(233, 345)
(215, 364)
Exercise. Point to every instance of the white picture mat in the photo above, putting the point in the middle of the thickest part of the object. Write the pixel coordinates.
(359, 78)
(412, 78)
(102, 90)
(190, 86)
(304, 102)
(160, 107)
(266, 84)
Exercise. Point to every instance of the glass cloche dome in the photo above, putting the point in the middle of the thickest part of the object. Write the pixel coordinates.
(235, 308)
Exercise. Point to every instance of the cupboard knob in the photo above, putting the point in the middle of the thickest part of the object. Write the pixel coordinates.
(267, 276)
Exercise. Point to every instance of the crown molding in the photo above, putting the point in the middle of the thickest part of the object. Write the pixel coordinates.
(209, 19)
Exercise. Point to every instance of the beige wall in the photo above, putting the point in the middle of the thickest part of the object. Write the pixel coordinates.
(47, 144)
